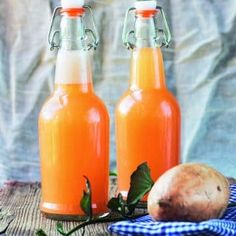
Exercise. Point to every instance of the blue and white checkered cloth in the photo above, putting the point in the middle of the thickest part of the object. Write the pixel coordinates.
(225, 226)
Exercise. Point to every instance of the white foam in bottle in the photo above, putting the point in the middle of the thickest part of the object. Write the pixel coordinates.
(73, 67)
(72, 3)
(145, 5)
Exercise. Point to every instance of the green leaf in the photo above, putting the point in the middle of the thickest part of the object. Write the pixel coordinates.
(40, 232)
(141, 183)
(60, 228)
(118, 205)
(86, 201)
(113, 174)
(114, 205)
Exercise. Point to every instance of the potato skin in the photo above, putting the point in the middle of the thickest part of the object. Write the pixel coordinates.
(189, 192)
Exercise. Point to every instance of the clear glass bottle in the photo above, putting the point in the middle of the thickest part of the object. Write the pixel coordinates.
(148, 115)
(73, 127)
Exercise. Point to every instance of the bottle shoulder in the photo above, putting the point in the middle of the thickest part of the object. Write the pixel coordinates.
(73, 105)
(145, 96)
(148, 101)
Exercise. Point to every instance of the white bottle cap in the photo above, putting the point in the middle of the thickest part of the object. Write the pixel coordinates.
(145, 5)
(72, 3)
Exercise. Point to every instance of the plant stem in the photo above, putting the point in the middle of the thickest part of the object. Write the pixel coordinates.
(104, 220)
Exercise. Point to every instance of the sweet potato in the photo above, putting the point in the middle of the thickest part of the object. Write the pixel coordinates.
(189, 192)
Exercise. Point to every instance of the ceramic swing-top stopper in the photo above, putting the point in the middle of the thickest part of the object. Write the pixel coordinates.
(72, 3)
(145, 5)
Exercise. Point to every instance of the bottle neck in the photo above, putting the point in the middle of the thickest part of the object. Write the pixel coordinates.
(72, 32)
(145, 31)
(73, 65)
(147, 67)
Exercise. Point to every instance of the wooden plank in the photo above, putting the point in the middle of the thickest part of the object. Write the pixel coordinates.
(21, 201)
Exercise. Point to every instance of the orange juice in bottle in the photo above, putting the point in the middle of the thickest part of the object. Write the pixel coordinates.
(148, 115)
(73, 125)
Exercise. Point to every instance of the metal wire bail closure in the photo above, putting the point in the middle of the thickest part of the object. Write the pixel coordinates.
(126, 35)
(166, 30)
(93, 33)
(54, 30)
(163, 34)
(53, 33)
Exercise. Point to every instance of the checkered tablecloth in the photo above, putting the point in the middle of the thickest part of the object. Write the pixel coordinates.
(146, 226)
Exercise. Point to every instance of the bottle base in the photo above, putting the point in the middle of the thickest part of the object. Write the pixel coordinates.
(67, 212)
(59, 217)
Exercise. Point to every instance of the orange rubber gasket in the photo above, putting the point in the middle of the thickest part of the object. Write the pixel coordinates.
(73, 11)
(146, 13)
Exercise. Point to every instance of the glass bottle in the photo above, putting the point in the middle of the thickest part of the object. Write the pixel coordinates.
(73, 125)
(148, 115)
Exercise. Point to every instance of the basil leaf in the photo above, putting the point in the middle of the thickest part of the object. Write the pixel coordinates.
(86, 201)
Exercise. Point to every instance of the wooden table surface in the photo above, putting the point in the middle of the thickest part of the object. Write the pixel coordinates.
(19, 203)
